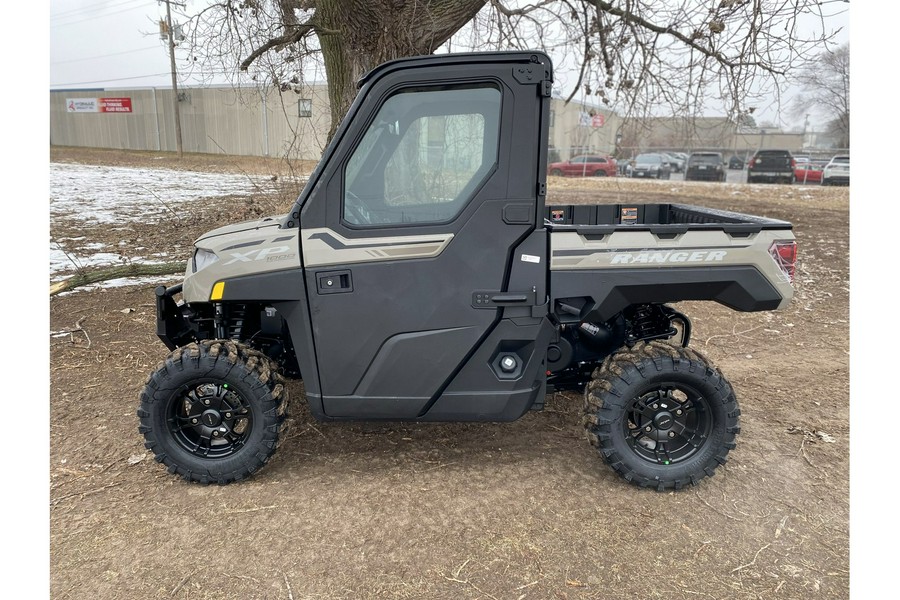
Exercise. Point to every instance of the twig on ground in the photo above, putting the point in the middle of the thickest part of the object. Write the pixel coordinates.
(250, 510)
(732, 334)
(76, 329)
(181, 583)
(288, 584)
(163, 202)
(714, 508)
(94, 491)
(752, 562)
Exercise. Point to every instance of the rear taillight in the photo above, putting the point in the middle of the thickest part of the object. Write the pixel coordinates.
(785, 256)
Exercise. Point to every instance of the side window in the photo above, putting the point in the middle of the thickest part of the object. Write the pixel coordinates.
(423, 156)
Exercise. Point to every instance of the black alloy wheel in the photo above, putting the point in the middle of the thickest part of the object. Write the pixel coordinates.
(215, 411)
(660, 415)
(668, 424)
(209, 419)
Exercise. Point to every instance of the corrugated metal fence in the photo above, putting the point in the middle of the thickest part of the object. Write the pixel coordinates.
(214, 120)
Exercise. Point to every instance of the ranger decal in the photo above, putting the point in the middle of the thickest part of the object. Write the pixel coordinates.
(671, 256)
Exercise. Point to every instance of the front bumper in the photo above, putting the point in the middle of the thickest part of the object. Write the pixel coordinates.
(172, 324)
(704, 175)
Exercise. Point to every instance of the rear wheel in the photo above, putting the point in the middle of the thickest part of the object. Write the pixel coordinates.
(660, 415)
(599, 173)
(556, 173)
(214, 412)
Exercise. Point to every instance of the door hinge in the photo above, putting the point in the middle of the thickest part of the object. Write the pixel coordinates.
(536, 73)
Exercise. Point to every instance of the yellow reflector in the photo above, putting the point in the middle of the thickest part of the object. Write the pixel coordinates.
(218, 291)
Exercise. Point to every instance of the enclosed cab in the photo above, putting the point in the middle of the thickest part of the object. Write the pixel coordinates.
(421, 276)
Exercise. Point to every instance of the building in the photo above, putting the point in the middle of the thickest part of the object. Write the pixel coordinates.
(214, 120)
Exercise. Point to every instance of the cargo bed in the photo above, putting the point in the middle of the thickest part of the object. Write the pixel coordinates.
(663, 218)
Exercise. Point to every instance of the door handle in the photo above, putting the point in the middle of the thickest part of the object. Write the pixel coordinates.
(334, 282)
(488, 299)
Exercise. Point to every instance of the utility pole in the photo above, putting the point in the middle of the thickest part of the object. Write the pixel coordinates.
(174, 78)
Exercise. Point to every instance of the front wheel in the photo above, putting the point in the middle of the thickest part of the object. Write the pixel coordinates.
(214, 411)
(660, 415)
(556, 173)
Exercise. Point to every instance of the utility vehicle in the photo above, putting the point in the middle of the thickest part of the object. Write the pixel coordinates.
(421, 276)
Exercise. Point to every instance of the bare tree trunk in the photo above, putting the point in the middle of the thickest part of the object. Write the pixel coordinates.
(358, 35)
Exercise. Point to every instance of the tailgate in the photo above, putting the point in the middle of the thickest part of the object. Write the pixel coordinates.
(772, 162)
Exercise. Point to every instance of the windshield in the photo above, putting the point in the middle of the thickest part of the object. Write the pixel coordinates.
(652, 159)
(843, 160)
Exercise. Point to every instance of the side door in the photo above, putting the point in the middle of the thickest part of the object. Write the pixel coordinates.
(572, 164)
(408, 242)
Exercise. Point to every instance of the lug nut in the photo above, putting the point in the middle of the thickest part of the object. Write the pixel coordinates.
(195, 421)
(671, 434)
(227, 415)
(648, 428)
(206, 402)
(216, 433)
(679, 412)
(655, 406)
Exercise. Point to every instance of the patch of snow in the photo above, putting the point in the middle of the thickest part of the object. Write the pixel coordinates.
(101, 194)
(106, 195)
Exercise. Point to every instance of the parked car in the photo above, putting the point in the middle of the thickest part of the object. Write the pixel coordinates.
(588, 165)
(653, 166)
(808, 171)
(837, 171)
(736, 162)
(676, 161)
(705, 166)
(771, 166)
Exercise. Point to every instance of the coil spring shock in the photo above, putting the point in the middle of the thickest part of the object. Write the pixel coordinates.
(237, 318)
(230, 322)
(651, 322)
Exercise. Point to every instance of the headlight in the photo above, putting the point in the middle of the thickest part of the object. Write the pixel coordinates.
(203, 258)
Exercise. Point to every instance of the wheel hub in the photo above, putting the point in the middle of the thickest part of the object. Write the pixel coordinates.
(663, 420)
(211, 418)
(668, 425)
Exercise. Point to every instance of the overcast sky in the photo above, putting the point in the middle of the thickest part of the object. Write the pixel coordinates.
(116, 44)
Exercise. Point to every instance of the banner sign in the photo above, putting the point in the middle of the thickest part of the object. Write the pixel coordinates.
(98, 105)
(586, 119)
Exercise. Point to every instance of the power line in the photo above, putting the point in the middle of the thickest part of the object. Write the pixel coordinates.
(100, 6)
(99, 16)
(105, 80)
(60, 62)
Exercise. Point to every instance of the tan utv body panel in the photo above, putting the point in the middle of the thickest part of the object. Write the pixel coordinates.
(260, 247)
(571, 251)
(325, 247)
(243, 249)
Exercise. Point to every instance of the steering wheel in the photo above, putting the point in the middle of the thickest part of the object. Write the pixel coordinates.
(355, 211)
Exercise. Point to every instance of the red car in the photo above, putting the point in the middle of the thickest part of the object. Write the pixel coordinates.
(808, 172)
(589, 165)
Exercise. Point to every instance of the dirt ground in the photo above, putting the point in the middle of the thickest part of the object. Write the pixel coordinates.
(491, 511)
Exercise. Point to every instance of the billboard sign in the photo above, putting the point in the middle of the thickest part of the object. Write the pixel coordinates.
(98, 105)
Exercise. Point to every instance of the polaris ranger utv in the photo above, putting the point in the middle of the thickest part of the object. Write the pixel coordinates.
(420, 276)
